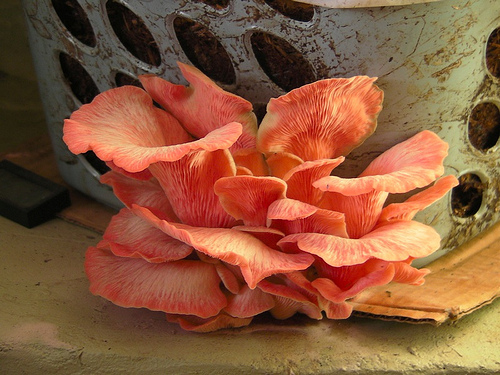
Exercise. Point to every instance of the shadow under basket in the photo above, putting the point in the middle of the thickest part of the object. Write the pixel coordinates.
(438, 64)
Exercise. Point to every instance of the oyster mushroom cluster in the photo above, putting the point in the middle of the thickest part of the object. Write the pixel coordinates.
(224, 220)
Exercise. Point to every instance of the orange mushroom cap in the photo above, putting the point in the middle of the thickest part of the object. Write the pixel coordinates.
(181, 287)
(254, 258)
(203, 106)
(122, 126)
(322, 120)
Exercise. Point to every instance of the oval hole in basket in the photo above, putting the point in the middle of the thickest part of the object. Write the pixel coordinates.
(79, 81)
(133, 33)
(493, 53)
(283, 64)
(122, 79)
(260, 110)
(484, 126)
(204, 50)
(297, 11)
(467, 197)
(73, 17)
(96, 163)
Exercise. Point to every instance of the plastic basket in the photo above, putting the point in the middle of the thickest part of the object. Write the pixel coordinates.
(436, 61)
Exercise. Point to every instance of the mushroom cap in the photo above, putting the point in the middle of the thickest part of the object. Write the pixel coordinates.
(188, 184)
(255, 260)
(123, 126)
(197, 324)
(148, 193)
(292, 216)
(203, 106)
(394, 241)
(417, 202)
(411, 164)
(130, 236)
(181, 287)
(322, 120)
(248, 303)
(248, 198)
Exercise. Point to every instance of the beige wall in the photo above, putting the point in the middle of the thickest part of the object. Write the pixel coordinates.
(21, 112)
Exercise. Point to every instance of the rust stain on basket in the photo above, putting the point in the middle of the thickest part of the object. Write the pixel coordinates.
(444, 73)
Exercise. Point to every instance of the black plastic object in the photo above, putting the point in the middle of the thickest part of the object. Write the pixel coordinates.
(27, 198)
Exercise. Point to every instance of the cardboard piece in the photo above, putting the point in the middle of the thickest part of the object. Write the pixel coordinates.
(460, 282)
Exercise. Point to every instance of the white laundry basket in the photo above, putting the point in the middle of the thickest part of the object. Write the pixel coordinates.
(433, 59)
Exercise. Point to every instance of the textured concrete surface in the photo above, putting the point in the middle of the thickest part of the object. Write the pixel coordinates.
(51, 324)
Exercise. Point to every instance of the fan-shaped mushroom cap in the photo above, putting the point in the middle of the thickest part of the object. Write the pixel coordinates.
(321, 120)
(122, 125)
(130, 236)
(394, 241)
(196, 324)
(411, 164)
(254, 258)
(189, 186)
(248, 303)
(337, 284)
(203, 106)
(143, 193)
(300, 179)
(181, 287)
(292, 216)
(248, 198)
(409, 208)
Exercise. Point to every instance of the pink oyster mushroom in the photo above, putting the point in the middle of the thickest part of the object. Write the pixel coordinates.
(224, 221)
